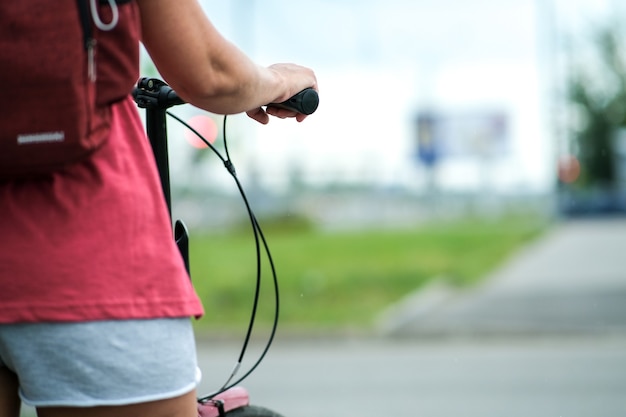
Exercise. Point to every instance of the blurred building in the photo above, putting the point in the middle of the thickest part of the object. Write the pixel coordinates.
(484, 76)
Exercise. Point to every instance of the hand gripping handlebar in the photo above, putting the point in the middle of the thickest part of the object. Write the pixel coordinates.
(305, 102)
(154, 93)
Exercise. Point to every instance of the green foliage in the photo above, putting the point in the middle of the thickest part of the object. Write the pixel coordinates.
(597, 88)
(345, 278)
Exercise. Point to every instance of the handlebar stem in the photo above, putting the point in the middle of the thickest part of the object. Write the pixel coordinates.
(155, 96)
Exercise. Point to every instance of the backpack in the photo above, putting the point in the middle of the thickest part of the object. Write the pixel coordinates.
(62, 64)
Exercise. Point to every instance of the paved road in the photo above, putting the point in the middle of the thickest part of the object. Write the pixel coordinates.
(374, 378)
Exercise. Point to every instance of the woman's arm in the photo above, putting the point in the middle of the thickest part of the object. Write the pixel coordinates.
(207, 70)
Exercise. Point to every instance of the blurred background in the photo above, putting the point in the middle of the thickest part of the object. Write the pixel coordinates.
(449, 134)
(440, 107)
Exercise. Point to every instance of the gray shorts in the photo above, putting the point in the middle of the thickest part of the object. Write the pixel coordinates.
(100, 363)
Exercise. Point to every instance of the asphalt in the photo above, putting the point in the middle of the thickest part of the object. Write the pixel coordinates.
(571, 281)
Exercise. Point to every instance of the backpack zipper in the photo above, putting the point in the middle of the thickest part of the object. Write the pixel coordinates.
(115, 15)
(89, 42)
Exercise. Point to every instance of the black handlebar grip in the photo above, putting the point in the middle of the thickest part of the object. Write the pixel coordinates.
(305, 102)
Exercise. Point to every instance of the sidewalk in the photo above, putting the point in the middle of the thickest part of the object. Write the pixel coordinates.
(571, 281)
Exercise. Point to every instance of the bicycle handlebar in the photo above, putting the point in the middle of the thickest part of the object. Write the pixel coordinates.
(154, 93)
(305, 102)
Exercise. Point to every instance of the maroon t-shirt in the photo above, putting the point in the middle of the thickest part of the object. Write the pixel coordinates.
(93, 241)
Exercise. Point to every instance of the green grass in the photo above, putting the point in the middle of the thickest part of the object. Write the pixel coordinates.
(344, 279)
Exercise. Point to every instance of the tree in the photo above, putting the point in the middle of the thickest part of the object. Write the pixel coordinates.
(597, 89)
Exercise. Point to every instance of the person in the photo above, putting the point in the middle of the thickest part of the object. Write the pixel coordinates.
(95, 302)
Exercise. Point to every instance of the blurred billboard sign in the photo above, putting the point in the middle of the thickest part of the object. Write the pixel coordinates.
(477, 134)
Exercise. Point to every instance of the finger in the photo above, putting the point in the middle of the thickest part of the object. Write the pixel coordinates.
(259, 115)
(281, 113)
